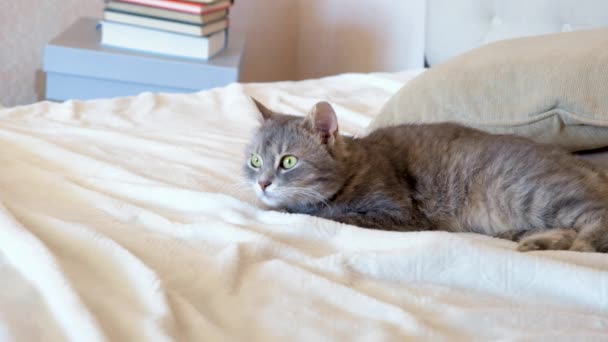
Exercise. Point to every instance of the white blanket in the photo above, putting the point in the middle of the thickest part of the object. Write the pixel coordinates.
(126, 220)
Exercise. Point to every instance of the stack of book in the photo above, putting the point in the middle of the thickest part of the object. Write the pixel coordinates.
(193, 29)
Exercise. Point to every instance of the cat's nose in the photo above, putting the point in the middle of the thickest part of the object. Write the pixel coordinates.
(264, 184)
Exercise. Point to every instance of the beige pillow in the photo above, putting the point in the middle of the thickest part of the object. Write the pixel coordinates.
(551, 88)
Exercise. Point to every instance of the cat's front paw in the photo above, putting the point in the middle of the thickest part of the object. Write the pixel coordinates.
(527, 246)
(553, 239)
(582, 246)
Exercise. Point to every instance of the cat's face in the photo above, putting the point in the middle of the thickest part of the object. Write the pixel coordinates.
(291, 161)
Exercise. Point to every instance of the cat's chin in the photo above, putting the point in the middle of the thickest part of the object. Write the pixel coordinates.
(271, 202)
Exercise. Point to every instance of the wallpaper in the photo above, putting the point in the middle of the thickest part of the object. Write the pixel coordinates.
(25, 28)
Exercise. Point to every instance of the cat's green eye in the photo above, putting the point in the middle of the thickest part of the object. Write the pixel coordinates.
(256, 161)
(288, 162)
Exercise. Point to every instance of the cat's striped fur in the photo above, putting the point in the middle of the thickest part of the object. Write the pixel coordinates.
(432, 177)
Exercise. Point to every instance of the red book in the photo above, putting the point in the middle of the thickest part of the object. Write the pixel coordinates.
(183, 6)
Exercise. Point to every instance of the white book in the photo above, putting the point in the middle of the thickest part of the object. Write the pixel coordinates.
(161, 42)
(166, 25)
(165, 14)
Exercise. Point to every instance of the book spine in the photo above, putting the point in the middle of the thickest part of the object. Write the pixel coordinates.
(181, 7)
(191, 8)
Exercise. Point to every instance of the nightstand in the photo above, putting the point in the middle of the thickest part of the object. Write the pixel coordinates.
(77, 66)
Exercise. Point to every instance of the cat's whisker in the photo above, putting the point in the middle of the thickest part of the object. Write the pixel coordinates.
(309, 194)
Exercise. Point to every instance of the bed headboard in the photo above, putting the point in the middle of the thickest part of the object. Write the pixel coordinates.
(455, 26)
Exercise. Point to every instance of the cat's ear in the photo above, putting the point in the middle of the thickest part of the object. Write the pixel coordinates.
(324, 122)
(266, 113)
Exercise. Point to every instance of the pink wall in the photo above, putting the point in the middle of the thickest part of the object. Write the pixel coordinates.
(287, 39)
(298, 39)
(271, 27)
(25, 27)
(337, 36)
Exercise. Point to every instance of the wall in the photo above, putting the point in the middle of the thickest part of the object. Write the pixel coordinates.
(337, 36)
(25, 27)
(271, 27)
(299, 39)
(287, 39)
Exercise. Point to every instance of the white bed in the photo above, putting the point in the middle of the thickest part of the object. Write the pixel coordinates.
(127, 220)
(124, 220)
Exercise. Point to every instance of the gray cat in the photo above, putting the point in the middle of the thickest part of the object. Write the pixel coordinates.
(429, 177)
